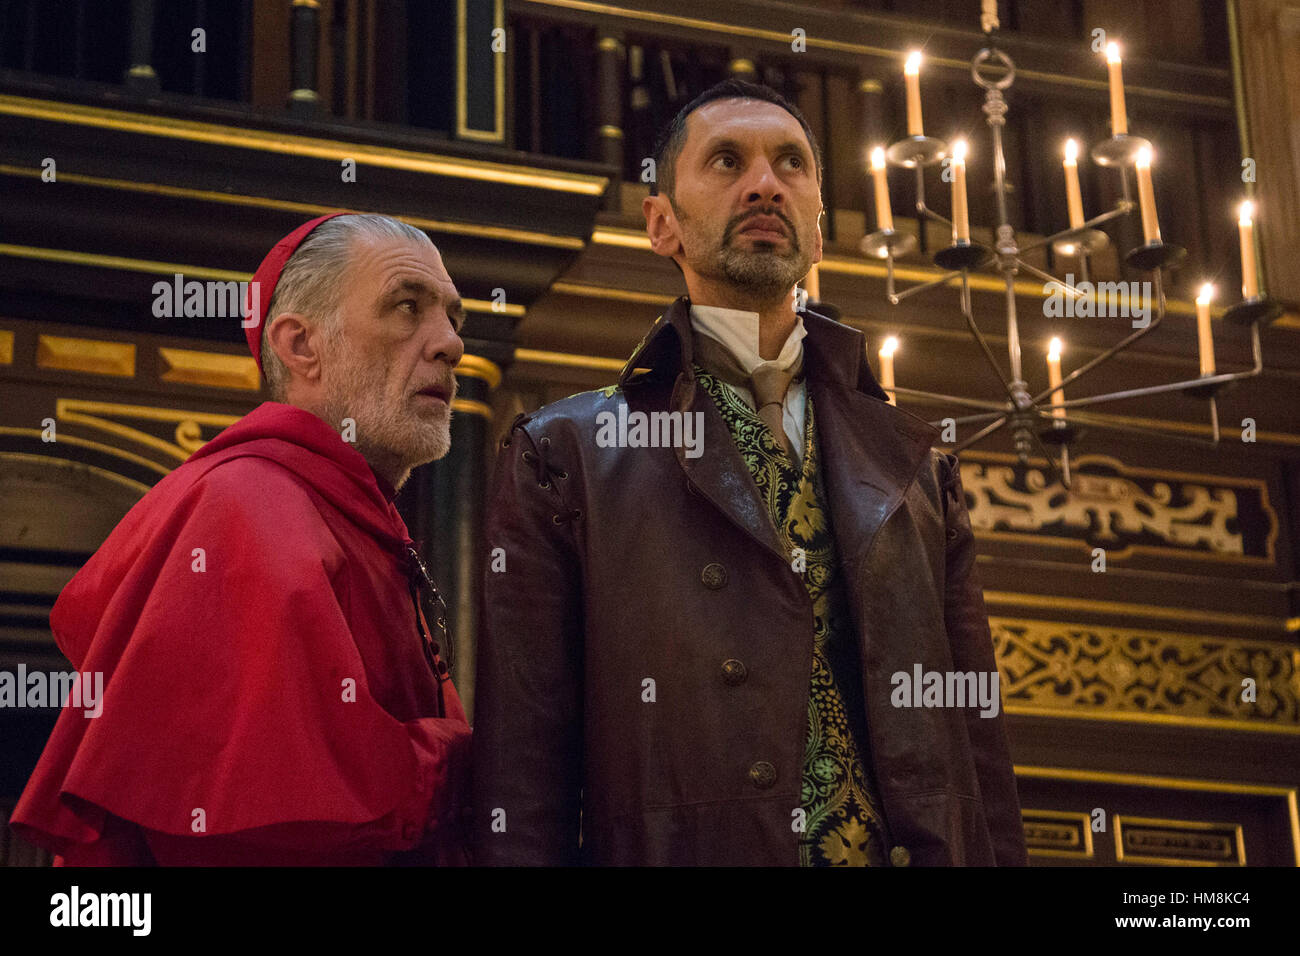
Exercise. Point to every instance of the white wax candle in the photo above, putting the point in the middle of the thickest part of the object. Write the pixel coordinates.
(1249, 268)
(1147, 197)
(1054, 377)
(1073, 196)
(884, 214)
(960, 214)
(1204, 336)
(912, 79)
(1118, 112)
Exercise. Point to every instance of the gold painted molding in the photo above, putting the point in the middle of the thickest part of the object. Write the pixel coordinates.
(188, 423)
(162, 470)
(6, 347)
(498, 133)
(568, 360)
(214, 369)
(1119, 672)
(134, 486)
(472, 406)
(70, 354)
(1078, 822)
(302, 146)
(310, 210)
(1153, 611)
(476, 366)
(1237, 843)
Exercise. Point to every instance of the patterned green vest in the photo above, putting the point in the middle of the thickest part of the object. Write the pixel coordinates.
(843, 825)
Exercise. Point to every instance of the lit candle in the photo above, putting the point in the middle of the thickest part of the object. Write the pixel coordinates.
(1249, 270)
(989, 15)
(1073, 197)
(1204, 337)
(960, 215)
(1118, 114)
(887, 367)
(912, 76)
(1147, 197)
(884, 215)
(1054, 376)
(812, 284)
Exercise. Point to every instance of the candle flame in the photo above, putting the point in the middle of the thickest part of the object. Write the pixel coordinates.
(1112, 53)
(1054, 348)
(959, 151)
(890, 347)
(913, 65)
(1144, 157)
(878, 158)
(1246, 212)
(1071, 151)
(1207, 293)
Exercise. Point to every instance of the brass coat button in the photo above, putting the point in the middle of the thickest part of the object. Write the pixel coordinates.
(900, 856)
(734, 672)
(714, 576)
(763, 774)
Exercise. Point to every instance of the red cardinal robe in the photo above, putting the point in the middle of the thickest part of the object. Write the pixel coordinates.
(267, 698)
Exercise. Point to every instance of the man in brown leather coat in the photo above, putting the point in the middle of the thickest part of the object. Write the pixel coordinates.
(716, 578)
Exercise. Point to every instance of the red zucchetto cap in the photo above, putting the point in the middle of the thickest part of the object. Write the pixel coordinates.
(265, 279)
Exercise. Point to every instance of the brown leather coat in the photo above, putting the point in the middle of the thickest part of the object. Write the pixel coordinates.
(628, 565)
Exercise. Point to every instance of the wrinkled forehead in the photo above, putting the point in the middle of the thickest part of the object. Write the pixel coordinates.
(757, 122)
(376, 264)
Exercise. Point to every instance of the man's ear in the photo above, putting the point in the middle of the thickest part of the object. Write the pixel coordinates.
(297, 343)
(661, 225)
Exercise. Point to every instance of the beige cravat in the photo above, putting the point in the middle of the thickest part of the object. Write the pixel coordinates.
(769, 383)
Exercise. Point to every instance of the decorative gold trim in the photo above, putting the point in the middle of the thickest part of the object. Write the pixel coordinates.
(870, 85)
(731, 31)
(476, 366)
(1086, 852)
(1153, 611)
(314, 4)
(472, 406)
(142, 70)
(6, 347)
(302, 147)
(567, 360)
(304, 96)
(85, 355)
(197, 272)
(742, 64)
(187, 423)
(982, 457)
(1173, 783)
(94, 445)
(1293, 624)
(609, 131)
(130, 483)
(611, 44)
(214, 369)
(498, 132)
(620, 295)
(312, 210)
(1118, 821)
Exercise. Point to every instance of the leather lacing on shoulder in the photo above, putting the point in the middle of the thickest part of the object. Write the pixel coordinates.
(547, 474)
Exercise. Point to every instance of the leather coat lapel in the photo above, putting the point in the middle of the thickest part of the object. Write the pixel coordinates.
(871, 451)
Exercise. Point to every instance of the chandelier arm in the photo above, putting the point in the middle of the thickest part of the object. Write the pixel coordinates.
(1098, 359)
(1057, 473)
(966, 419)
(980, 435)
(1103, 421)
(1051, 279)
(999, 407)
(1157, 389)
(898, 297)
(983, 342)
(1123, 208)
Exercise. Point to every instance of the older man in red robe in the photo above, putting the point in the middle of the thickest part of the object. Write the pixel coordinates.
(273, 689)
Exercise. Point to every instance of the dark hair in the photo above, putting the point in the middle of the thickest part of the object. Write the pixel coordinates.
(673, 137)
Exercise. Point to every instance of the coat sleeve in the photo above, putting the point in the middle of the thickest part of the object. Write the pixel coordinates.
(528, 695)
(971, 642)
(226, 651)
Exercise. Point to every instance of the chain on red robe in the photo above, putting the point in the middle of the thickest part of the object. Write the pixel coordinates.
(266, 695)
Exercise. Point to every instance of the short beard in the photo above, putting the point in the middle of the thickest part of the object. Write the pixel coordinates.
(391, 434)
(764, 275)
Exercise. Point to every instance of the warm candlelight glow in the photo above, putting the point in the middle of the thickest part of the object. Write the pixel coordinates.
(960, 213)
(912, 78)
(1249, 267)
(1073, 195)
(1118, 111)
(1147, 197)
(887, 351)
(879, 178)
(1204, 337)
(1054, 349)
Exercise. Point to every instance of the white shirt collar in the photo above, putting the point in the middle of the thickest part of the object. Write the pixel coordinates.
(737, 331)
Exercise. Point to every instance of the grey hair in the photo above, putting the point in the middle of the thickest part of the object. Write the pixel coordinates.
(311, 282)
